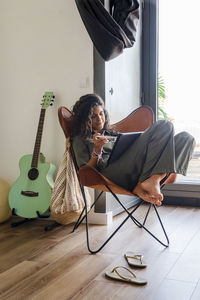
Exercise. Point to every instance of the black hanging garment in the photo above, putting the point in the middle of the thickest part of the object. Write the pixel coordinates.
(110, 32)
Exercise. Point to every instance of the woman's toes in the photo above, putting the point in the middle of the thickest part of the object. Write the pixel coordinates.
(160, 197)
(158, 202)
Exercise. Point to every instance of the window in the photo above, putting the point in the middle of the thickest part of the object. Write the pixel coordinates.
(158, 28)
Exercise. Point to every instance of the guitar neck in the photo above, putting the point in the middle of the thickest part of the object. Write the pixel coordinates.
(36, 151)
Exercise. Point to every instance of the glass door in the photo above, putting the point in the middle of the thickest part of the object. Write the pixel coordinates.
(178, 68)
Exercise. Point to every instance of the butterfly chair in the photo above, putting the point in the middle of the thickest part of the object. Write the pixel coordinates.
(139, 120)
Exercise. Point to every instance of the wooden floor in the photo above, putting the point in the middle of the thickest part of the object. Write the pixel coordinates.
(35, 264)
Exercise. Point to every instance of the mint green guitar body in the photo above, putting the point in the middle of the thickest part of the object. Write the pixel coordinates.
(29, 196)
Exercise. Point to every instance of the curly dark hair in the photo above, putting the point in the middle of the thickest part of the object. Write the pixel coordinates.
(82, 115)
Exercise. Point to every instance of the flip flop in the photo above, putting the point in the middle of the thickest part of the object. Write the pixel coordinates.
(125, 276)
(135, 260)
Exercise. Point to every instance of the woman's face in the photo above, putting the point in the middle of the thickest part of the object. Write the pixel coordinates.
(98, 118)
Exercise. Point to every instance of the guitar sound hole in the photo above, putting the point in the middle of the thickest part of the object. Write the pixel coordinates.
(33, 174)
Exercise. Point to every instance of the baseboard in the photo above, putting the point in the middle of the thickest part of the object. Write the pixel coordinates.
(100, 218)
(181, 201)
(132, 201)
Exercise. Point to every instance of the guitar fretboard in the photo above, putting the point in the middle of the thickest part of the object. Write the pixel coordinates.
(36, 151)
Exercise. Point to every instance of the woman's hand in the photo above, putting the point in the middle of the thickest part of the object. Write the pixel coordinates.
(99, 140)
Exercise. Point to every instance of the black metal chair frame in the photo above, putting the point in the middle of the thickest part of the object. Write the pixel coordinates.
(130, 215)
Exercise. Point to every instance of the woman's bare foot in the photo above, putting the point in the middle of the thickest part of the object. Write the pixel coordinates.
(149, 190)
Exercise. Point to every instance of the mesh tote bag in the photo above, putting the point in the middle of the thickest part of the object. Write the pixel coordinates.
(67, 202)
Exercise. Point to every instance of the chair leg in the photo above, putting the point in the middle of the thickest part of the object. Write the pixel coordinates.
(161, 225)
(87, 230)
(167, 239)
(146, 216)
(133, 219)
(149, 208)
(129, 216)
(142, 225)
(80, 220)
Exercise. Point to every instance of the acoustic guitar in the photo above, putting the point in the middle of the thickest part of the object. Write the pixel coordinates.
(30, 195)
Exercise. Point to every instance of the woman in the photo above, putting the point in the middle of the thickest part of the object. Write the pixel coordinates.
(144, 165)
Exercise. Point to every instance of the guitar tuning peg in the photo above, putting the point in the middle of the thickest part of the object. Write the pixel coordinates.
(51, 104)
(53, 96)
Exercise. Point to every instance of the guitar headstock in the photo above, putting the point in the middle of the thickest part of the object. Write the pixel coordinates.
(47, 100)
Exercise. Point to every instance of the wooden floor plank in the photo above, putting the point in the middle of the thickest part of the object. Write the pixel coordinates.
(173, 290)
(17, 273)
(196, 292)
(35, 264)
(187, 268)
(71, 282)
(184, 231)
(20, 253)
(159, 265)
(47, 274)
(107, 291)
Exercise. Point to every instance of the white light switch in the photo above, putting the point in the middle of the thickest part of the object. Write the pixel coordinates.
(85, 83)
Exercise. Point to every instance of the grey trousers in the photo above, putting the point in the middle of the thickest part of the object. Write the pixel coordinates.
(156, 151)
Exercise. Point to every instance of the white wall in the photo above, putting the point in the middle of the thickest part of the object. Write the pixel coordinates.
(44, 47)
(123, 75)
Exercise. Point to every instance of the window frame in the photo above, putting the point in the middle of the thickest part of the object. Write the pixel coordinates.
(150, 54)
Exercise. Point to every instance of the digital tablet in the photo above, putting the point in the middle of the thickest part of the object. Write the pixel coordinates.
(123, 141)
